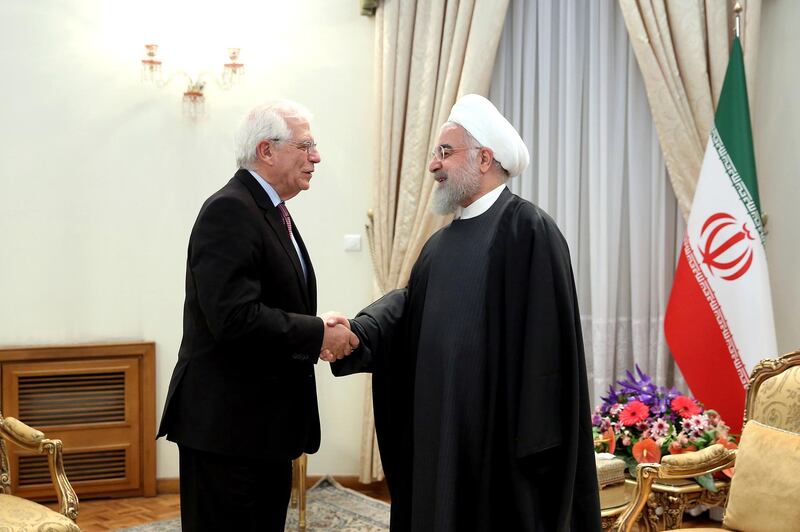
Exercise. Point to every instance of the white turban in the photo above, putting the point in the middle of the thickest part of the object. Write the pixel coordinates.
(484, 122)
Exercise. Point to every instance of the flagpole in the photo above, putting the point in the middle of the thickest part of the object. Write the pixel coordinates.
(737, 9)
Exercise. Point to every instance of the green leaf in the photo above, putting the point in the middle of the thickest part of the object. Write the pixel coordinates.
(631, 463)
(707, 481)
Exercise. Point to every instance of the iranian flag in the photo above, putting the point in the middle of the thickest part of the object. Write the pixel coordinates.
(719, 320)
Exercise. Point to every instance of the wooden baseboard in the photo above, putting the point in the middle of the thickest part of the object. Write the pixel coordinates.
(168, 486)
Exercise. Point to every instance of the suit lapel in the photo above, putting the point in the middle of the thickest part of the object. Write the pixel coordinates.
(273, 218)
(312, 280)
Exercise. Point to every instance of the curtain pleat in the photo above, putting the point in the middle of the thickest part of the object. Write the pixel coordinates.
(566, 77)
(427, 53)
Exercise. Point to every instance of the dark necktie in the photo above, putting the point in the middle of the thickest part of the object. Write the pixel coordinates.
(287, 220)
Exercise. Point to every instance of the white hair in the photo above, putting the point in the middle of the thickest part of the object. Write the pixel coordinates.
(265, 122)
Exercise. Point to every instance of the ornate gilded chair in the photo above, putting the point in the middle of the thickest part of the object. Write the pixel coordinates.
(766, 481)
(20, 515)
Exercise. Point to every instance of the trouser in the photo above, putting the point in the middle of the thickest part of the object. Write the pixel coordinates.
(220, 492)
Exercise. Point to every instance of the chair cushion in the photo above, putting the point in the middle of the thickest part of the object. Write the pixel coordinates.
(22, 515)
(765, 484)
(778, 402)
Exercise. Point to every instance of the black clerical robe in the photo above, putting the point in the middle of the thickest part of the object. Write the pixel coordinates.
(479, 380)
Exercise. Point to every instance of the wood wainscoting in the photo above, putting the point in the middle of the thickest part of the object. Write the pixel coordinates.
(99, 399)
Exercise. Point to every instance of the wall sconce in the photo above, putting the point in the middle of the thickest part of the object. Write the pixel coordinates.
(193, 97)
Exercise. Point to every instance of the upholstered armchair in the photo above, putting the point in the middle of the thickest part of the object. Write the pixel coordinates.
(766, 481)
(20, 515)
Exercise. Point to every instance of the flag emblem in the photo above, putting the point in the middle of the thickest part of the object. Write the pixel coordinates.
(727, 251)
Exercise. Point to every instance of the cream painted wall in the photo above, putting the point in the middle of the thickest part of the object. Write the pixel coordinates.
(776, 133)
(101, 177)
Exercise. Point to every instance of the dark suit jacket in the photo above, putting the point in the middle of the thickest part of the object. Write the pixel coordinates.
(244, 382)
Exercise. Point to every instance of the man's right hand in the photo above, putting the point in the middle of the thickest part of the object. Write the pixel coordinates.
(338, 341)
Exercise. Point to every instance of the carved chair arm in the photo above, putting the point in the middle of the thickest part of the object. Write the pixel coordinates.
(709, 460)
(29, 438)
(21, 434)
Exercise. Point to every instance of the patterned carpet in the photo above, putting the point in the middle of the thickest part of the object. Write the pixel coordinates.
(329, 506)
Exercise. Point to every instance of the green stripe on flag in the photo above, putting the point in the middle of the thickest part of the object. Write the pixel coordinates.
(738, 183)
(733, 123)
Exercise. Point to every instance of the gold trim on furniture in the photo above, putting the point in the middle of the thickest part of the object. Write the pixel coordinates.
(298, 500)
(713, 458)
(31, 439)
(614, 499)
(675, 498)
(763, 372)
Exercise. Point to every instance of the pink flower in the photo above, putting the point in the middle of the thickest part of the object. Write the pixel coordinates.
(695, 425)
(633, 413)
(685, 406)
(616, 409)
(722, 428)
(626, 441)
(660, 428)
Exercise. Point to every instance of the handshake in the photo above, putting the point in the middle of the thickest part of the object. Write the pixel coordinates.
(338, 340)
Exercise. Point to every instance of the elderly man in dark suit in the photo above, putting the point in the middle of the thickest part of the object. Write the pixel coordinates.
(242, 400)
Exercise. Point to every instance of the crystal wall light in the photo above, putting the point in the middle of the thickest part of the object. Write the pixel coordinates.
(193, 97)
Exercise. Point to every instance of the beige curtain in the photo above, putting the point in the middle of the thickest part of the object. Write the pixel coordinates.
(427, 53)
(682, 47)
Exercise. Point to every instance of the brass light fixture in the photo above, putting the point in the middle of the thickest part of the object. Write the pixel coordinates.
(193, 97)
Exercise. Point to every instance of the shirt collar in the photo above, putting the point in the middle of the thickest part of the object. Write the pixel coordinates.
(267, 188)
(480, 205)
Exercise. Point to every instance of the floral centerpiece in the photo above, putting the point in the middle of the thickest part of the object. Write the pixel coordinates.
(641, 422)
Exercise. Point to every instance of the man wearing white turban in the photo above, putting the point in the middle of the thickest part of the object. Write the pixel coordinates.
(479, 378)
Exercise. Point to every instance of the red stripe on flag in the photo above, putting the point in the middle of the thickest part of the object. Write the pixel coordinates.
(700, 349)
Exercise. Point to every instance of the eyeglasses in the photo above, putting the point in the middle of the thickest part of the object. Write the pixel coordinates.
(440, 153)
(307, 146)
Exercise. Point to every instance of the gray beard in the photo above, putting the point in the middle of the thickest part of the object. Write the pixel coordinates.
(461, 185)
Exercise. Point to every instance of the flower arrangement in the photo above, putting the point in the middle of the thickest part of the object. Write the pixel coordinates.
(641, 422)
